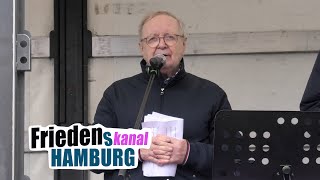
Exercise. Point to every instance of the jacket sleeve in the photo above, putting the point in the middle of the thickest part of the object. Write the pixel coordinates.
(201, 154)
(311, 97)
(105, 116)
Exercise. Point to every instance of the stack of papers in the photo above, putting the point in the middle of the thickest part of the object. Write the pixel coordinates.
(164, 125)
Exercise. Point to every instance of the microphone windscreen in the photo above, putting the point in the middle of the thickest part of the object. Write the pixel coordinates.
(157, 61)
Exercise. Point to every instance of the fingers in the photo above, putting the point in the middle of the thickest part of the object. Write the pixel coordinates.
(163, 157)
(161, 140)
(161, 145)
(161, 149)
(161, 152)
(179, 151)
(148, 155)
(166, 150)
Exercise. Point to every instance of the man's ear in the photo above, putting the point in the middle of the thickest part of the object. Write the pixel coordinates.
(185, 42)
(140, 47)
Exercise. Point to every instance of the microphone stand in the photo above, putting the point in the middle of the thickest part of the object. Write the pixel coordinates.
(153, 72)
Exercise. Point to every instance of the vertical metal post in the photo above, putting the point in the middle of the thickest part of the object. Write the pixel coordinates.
(70, 48)
(11, 91)
(6, 89)
(19, 101)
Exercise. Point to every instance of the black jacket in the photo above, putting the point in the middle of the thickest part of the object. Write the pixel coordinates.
(311, 97)
(194, 99)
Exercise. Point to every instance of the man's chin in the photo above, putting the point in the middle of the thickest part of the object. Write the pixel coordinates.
(168, 70)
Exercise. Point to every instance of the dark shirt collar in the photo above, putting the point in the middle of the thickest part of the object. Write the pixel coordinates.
(144, 66)
(180, 73)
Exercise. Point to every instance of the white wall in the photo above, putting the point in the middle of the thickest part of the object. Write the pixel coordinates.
(121, 17)
(39, 94)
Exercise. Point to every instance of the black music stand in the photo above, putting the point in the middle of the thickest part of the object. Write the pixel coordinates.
(267, 145)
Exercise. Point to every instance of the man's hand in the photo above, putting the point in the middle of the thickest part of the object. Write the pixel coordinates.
(165, 150)
(179, 152)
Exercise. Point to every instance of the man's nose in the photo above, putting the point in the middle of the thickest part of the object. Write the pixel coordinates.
(162, 43)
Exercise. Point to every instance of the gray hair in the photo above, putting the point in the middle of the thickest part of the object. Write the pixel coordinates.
(157, 13)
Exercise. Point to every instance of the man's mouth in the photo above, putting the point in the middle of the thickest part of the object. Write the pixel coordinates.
(165, 54)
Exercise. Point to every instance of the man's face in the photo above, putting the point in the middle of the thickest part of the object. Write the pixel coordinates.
(162, 25)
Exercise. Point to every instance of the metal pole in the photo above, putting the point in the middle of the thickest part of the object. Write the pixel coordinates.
(12, 89)
(6, 89)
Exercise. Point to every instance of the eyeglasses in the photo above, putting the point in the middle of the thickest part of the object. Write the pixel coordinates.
(169, 39)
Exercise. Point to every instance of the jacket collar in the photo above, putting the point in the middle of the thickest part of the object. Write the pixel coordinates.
(180, 74)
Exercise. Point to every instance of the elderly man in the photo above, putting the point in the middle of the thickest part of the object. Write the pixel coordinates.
(175, 93)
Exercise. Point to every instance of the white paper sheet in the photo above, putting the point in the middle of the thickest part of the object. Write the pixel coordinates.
(165, 125)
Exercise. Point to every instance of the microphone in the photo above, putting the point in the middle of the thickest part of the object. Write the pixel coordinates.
(158, 61)
(156, 64)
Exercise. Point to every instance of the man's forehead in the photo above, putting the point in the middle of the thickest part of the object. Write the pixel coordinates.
(170, 23)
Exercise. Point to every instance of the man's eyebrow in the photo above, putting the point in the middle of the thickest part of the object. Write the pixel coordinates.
(157, 34)
(153, 34)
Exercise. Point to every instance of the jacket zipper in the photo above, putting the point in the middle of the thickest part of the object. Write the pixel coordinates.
(162, 91)
(161, 98)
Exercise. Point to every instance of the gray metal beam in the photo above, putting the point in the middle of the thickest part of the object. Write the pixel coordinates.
(218, 43)
(210, 43)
